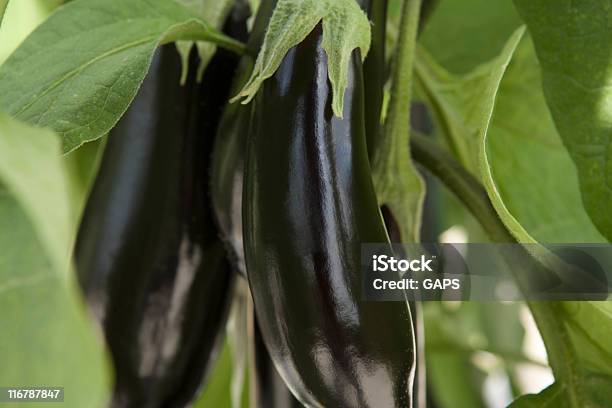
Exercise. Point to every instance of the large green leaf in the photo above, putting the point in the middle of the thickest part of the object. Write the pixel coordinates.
(46, 338)
(530, 179)
(520, 120)
(345, 28)
(78, 72)
(534, 189)
(541, 170)
(572, 40)
(532, 184)
(459, 103)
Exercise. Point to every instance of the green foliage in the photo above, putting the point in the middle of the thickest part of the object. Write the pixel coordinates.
(531, 123)
(477, 30)
(496, 122)
(521, 120)
(46, 337)
(345, 28)
(78, 72)
(460, 103)
(572, 40)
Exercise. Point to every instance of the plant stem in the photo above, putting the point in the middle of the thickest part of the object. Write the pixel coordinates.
(398, 120)
(398, 185)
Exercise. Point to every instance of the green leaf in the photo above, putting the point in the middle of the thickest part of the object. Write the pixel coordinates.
(78, 72)
(46, 337)
(531, 205)
(214, 12)
(34, 174)
(477, 30)
(597, 387)
(572, 40)
(521, 120)
(590, 329)
(345, 28)
(536, 204)
(553, 213)
(575, 333)
(461, 103)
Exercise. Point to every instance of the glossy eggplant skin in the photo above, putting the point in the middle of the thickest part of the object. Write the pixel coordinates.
(148, 256)
(309, 204)
(227, 170)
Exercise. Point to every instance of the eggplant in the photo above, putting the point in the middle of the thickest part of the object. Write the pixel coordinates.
(148, 254)
(308, 205)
